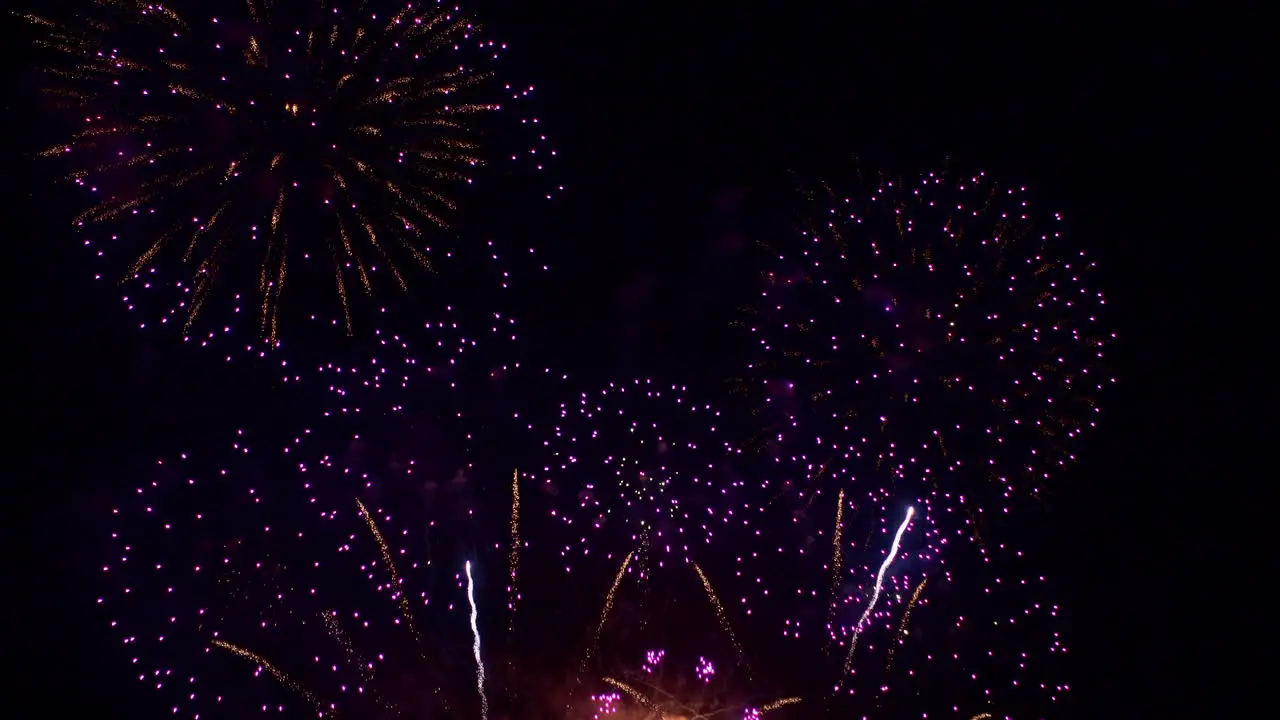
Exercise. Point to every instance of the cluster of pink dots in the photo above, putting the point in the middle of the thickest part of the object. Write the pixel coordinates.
(606, 704)
(706, 670)
(652, 659)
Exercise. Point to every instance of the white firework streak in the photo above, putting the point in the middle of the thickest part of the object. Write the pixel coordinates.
(875, 593)
(475, 644)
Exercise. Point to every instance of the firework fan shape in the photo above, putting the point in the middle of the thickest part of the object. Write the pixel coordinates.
(924, 326)
(637, 466)
(273, 145)
(237, 594)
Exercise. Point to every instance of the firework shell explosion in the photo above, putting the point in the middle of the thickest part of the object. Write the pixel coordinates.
(938, 328)
(934, 345)
(320, 147)
(346, 576)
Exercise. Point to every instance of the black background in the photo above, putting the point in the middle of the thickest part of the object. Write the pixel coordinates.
(670, 119)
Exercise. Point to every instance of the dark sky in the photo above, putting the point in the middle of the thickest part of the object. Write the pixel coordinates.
(670, 120)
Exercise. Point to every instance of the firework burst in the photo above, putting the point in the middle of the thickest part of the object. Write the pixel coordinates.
(933, 343)
(931, 323)
(343, 592)
(275, 144)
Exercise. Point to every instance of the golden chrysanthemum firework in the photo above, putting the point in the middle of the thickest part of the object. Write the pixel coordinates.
(271, 144)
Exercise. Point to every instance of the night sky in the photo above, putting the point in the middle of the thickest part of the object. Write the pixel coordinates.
(673, 124)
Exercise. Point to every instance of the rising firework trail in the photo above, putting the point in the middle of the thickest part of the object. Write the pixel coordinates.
(875, 593)
(475, 644)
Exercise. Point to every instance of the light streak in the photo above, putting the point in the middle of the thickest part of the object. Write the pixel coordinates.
(281, 676)
(608, 605)
(634, 693)
(397, 581)
(513, 560)
(604, 617)
(902, 626)
(475, 644)
(723, 618)
(875, 593)
(837, 560)
(780, 704)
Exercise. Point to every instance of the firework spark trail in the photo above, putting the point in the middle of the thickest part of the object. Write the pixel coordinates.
(475, 644)
(779, 704)
(401, 598)
(723, 618)
(330, 619)
(902, 626)
(837, 560)
(634, 693)
(513, 559)
(366, 669)
(281, 676)
(608, 605)
(875, 593)
(604, 617)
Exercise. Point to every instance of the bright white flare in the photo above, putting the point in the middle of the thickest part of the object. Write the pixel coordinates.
(875, 593)
(475, 644)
